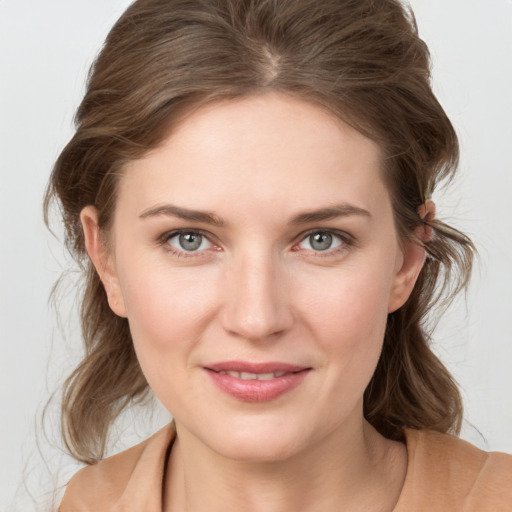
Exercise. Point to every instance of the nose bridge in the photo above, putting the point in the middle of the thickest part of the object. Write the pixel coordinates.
(256, 304)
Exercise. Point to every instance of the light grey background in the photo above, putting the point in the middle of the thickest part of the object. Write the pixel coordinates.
(46, 47)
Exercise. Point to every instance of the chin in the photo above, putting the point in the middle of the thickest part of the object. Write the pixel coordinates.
(259, 440)
(259, 450)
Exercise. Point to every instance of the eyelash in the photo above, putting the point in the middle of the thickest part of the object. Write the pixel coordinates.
(346, 239)
(164, 239)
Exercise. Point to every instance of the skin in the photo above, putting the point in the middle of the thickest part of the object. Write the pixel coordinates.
(258, 290)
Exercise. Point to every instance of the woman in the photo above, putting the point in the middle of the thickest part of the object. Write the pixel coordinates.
(249, 192)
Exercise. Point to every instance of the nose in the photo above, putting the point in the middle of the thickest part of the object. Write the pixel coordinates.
(256, 305)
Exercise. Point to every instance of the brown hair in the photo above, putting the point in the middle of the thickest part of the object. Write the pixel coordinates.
(362, 60)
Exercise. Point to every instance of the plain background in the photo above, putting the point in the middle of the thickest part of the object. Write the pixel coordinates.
(46, 47)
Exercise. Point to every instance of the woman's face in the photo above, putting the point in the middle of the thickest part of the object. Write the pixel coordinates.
(255, 256)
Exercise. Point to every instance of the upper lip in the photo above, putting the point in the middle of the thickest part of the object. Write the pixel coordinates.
(252, 367)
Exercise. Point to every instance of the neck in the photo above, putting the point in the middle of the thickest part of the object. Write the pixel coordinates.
(356, 469)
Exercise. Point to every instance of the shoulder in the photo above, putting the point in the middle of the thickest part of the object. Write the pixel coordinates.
(133, 477)
(447, 473)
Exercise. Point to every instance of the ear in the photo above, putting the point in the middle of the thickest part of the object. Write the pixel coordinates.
(413, 258)
(427, 213)
(102, 259)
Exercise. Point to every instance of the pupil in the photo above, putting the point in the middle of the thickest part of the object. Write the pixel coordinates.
(320, 241)
(190, 241)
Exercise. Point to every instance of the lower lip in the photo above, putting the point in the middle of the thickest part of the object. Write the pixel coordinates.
(257, 390)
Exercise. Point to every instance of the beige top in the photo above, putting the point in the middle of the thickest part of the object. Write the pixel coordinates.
(443, 474)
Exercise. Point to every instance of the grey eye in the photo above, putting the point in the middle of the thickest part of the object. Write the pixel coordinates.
(320, 241)
(189, 241)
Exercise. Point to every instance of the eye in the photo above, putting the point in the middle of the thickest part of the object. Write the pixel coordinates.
(189, 241)
(321, 241)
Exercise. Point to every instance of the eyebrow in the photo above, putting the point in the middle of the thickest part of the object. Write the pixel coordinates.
(183, 213)
(205, 217)
(341, 210)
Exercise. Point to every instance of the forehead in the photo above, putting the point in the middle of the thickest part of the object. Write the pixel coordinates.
(272, 149)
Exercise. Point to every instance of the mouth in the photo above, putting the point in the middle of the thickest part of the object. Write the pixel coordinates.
(252, 376)
(256, 382)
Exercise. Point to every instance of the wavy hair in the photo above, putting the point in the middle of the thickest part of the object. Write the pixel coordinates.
(363, 61)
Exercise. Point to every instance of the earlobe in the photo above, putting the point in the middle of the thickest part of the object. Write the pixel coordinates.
(102, 259)
(407, 275)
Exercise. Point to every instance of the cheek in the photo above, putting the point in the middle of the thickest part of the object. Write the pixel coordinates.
(352, 305)
(349, 323)
(167, 309)
(348, 318)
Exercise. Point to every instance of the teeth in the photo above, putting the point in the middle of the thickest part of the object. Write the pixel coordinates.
(253, 376)
(248, 376)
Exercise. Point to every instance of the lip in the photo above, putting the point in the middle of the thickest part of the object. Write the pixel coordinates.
(288, 377)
